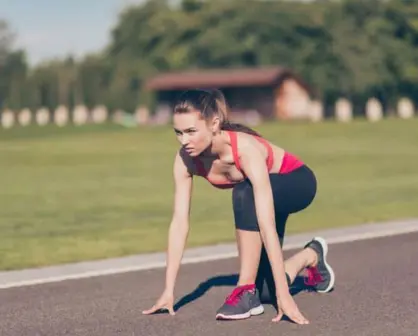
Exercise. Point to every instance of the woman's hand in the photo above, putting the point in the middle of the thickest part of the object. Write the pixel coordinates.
(166, 301)
(178, 231)
(287, 306)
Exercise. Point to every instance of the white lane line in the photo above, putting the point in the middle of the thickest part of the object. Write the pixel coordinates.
(212, 253)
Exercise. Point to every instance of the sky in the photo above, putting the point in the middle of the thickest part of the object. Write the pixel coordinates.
(48, 29)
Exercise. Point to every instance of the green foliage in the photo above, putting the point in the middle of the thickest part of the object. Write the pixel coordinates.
(6, 41)
(351, 48)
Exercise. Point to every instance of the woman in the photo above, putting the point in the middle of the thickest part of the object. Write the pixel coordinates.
(267, 185)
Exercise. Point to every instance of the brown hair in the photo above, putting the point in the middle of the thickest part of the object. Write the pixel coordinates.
(209, 103)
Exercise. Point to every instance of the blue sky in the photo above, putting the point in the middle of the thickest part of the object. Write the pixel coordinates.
(55, 28)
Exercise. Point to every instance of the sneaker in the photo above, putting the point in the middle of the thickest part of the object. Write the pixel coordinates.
(242, 303)
(321, 277)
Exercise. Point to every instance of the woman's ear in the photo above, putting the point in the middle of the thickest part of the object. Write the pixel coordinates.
(216, 125)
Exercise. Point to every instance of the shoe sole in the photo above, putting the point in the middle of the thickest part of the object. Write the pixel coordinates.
(324, 245)
(253, 312)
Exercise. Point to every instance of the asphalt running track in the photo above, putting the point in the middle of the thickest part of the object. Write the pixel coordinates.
(376, 293)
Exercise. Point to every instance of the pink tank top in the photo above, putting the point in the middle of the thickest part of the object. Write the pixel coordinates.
(290, 162)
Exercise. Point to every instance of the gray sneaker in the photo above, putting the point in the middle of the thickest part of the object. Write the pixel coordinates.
(321, 277)
(242, 303)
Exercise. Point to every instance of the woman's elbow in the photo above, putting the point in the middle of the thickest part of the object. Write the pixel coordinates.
(180, 223)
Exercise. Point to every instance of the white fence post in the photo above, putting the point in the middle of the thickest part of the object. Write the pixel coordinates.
(99, 114)
(405, 108)
(343, 110)
(374, 110)
(24, 117)
(81, 115)
(42, 116)
(61, 116)
(8, 118)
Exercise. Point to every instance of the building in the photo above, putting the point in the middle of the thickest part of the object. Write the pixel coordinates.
(266, 92)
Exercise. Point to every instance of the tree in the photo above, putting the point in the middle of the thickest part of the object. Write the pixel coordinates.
(6, 41)
(13, 70)
(353, 48)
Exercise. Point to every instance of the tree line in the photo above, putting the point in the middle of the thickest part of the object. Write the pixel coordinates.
(354, 48)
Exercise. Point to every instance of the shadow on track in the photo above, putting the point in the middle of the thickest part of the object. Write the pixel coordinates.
(231, 280)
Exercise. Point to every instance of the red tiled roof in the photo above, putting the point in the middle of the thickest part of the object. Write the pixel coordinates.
(217, 78)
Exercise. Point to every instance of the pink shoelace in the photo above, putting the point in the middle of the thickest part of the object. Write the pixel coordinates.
(314, 277)
(236, 294)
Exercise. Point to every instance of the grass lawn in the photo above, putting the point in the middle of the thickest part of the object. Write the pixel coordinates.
(73, 194)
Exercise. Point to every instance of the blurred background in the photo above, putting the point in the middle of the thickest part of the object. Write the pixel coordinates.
(105, 54)
(335, 82)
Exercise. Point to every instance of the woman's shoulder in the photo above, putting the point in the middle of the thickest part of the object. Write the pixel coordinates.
(244, 140)
(186, 160)
(247, 142)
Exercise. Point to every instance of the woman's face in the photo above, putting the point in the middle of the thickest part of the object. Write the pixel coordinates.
(193, 132)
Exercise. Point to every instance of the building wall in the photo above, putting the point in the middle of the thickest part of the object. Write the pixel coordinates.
(288, 100)
(251, 99)
(241, 100)
(292, 101)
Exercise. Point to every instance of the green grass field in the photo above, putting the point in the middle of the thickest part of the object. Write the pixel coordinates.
(103, 191)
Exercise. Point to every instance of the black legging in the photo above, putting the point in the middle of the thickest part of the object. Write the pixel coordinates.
(292, 192)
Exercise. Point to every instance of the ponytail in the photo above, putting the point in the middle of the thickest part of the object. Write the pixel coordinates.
(235, 127)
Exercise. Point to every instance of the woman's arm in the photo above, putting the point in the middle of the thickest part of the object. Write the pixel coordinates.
(177, 234)
(179, 227)
(253, 164)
